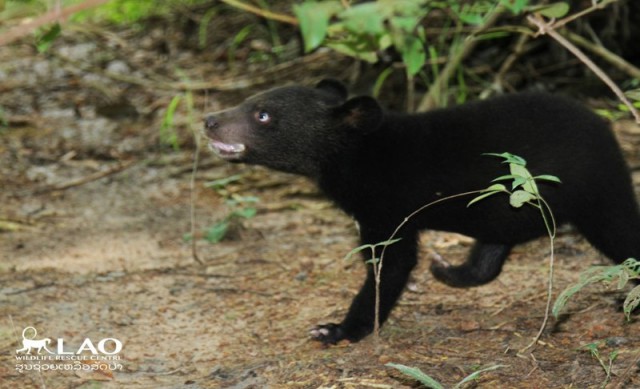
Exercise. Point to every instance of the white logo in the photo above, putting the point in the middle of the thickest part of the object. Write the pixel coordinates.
(28, 344)
(88, 356)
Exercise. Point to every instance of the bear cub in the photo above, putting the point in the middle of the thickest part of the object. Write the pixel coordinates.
(380, 166)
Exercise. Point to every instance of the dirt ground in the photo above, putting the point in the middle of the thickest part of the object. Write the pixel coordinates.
(93, 215)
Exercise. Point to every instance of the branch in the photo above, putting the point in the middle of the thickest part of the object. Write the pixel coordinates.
(56, 15)
(262, 12)
(429, 101)
(549, 29)
(605, 54)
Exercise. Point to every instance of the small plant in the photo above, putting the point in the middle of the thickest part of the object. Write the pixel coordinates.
(377, 271)
(595, 353)
(430, 382)
(45, 39)
(628, 270)
(168, 133)
(622, 110)
(4, 122)
(524, 190)
(240, 208)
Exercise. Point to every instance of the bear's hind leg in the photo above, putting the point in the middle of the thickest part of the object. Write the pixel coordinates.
(613, 230)
(483, 265)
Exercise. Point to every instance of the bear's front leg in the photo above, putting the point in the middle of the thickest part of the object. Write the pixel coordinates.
(398, 261)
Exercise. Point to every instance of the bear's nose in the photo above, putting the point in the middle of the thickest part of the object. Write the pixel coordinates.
(210, 123)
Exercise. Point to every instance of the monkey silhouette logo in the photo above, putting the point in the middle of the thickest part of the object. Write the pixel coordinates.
(28, 344)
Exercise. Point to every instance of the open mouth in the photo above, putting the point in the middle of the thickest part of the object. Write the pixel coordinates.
(227, 150)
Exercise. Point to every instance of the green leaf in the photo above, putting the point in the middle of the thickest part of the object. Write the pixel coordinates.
(547, 177)
(505, 178)
(356, 250)
(590, 276)
(406, 24)
(518, 181)
(515, 6)
(370, 247)
(417, 374)
(352, 51)
(222, 182)
(631, 302)
(365, 18)
(413, 55)
(44, 41)
(497, 187)
(519, 169)
(481, 197)
(314, 21)
(471, 18)
(554, 10)
(519, 198)
(217, 232)
(633, 266)
(490, 191)
(168, 135)
(623, 278)
(476, 374)
(382, 77)
(246, 213)
(633, 94)
(235, 200)
(372, 261)
(509, 158)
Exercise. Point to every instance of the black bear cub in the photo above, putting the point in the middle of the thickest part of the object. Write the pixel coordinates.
(380, 166)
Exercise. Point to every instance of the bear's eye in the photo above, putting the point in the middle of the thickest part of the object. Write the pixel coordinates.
(263, 117)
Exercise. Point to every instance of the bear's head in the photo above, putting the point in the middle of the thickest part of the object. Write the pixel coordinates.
(293, 129)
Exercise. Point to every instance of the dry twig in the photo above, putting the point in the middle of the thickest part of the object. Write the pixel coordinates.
(549, 29)
(429, 101)
(86, 179)
(262, 12)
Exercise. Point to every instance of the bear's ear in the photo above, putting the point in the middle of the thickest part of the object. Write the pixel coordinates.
(334, 87)
(362, 113)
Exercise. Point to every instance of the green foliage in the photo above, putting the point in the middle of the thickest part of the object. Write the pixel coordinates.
(130, 12)
(238, 39)
(553, 10)
(595, 353)
(4, 122)
(628, 270)
(219, 230)
(46, 38)
(120, 12)
(15, 9)
(240, 208)
(430, 382)
(524, 189)
(372, 247)
(366, 29)
(622, 110)
(417, 374)
(168, 133)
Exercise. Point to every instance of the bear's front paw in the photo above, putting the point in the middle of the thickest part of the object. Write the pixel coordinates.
(328, 333)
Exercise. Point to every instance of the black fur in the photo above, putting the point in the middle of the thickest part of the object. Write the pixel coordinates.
(381, 166)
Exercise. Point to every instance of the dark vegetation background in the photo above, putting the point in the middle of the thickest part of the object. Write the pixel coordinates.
(98, 128)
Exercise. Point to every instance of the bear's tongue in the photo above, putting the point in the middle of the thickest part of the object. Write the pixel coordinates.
(227, 149)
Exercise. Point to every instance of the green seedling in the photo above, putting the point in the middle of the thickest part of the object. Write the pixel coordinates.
(432, 383)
